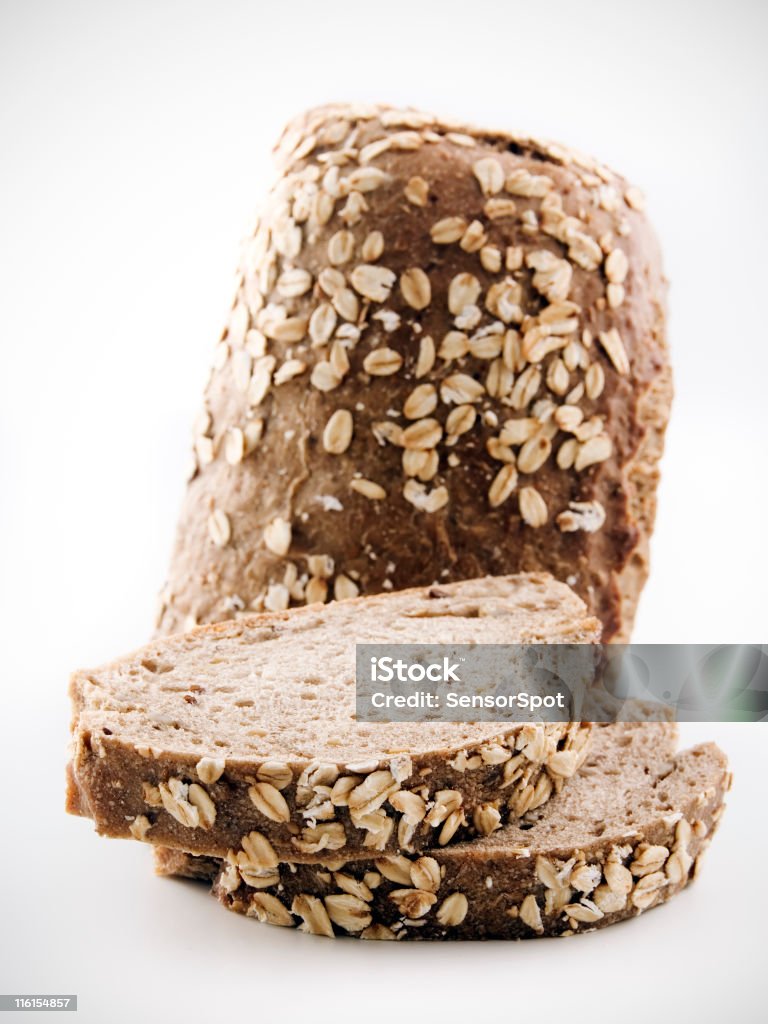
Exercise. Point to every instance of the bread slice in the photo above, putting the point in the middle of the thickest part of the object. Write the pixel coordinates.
(626, 834)
(201, 739)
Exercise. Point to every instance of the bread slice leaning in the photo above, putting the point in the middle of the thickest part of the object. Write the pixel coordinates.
(199, 740)
(626, 834)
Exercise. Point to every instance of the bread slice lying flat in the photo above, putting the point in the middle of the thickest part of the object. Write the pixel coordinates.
(624, 835)
(200, 739)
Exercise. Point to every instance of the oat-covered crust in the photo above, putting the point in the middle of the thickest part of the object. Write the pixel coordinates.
(445, 358)
(246, 732)
(609, 847)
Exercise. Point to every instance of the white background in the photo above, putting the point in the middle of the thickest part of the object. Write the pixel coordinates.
(135, 141)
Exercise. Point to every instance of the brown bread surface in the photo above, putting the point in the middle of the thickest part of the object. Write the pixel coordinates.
(446, 357)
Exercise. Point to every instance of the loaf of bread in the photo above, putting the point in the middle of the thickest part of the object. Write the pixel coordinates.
(445, 358)
(249, 728)
(624, 835)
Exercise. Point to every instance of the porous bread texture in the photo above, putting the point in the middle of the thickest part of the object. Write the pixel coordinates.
(625, 835)
(200, 739)
(445, 357)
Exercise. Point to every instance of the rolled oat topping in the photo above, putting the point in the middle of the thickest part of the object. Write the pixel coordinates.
(499, 339)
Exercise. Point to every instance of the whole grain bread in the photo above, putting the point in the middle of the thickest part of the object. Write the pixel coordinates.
(201, 739)
(445, 358)
(624, 835)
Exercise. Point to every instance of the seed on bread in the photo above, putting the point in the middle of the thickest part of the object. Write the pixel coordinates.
(417, 191)
(616, 266)
(337, 434)
(322, 323)
(234, 447)
(341, 247)
(448, 230)
(594, 450)
(372, 282)
(210, 769)
(139, 827)
(423, 434)
(290, 368)
(474, 238)
(175, 798)
(425, 500)
(533, 454)
(421, 402)
(503, 485)
(368, 489)
(344, 588)
(373, 246)
(533, 508)
(490, 175)
(219, 528)
(463, 291)
(382, 362)
(325, 377)
(426, 357)
(277, 536)
(415, 288)
(523, 183)
(582, 515)
(614, 348)
(269, 801)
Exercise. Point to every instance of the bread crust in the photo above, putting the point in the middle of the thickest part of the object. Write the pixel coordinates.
(131, 794)
(304, 486)
(511, 887)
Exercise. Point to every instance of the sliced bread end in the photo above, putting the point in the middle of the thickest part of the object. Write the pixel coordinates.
(624, 836)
